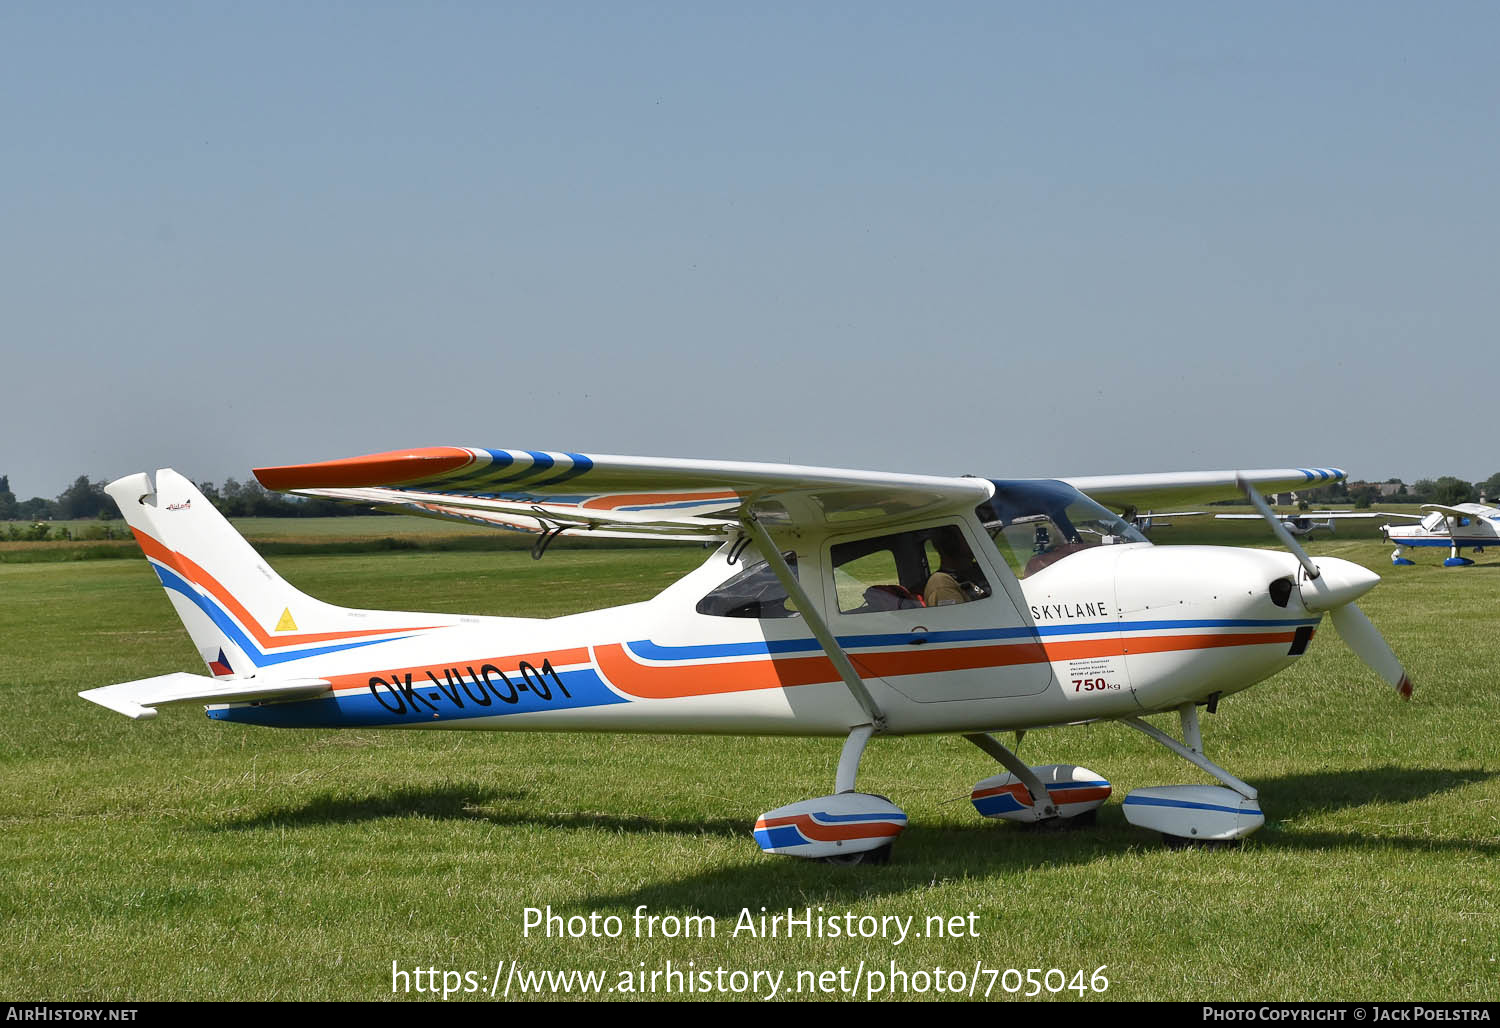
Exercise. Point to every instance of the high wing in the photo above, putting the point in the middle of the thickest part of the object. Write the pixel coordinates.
(1326, 514)
(616, 497)
(1468, 510)
(1187, 488)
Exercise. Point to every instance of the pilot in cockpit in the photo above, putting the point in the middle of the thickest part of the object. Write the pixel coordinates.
(950, 583)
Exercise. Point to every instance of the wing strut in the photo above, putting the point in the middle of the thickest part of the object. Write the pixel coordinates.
(815, 621)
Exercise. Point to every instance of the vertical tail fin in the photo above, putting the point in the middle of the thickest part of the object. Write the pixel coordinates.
(241, 615)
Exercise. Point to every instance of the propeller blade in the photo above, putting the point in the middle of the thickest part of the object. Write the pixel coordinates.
(1347, 582)
(1259, 503)
(1370, 646)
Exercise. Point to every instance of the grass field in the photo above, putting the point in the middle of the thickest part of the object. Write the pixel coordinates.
(351, 534)
(182, 858)
(287, 536)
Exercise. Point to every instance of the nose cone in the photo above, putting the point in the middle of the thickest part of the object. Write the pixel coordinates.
(1338, 582)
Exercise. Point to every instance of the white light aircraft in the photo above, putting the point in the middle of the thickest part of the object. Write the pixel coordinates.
(835, 603)
(1303, 525)
(1471, 525)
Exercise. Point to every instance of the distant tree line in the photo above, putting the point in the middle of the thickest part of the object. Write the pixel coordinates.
(85, 499)
(1446, 490)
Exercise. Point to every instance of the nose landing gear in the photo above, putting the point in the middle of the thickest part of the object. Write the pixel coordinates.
(1193, 814)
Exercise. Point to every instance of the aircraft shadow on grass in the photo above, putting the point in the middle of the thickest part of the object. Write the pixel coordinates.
(1293, 796)
(480, 803)
(925, 853)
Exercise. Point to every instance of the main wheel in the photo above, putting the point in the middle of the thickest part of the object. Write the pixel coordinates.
(879, 855)
(1088, 819)
(1178, 842)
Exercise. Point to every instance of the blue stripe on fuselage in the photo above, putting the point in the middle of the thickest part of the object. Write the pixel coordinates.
(1470, 542)
(649, 650)
(387, 706)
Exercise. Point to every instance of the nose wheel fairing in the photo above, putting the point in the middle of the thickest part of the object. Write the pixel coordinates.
(1197, 813)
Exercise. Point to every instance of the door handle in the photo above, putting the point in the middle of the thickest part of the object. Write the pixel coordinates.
(918, 636)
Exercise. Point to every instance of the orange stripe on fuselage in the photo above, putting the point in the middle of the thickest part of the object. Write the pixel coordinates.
(969, 658)
(654, 682)
(817, 832)
(1168, 643)
(391, 468)
(664, 683)
(201, 578)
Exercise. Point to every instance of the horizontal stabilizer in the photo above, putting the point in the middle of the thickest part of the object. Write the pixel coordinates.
(140, 699)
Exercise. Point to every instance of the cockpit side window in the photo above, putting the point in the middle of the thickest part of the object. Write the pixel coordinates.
(923, 568)
(755, 592)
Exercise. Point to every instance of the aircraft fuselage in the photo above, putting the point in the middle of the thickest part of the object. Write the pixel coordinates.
(1112, 631)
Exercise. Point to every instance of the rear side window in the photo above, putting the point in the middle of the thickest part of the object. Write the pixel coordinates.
(755, 592)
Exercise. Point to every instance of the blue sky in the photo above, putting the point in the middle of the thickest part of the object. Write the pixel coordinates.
(1002, 239)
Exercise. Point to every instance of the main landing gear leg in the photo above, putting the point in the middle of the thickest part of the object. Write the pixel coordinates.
(1041, 804)
(1056, 795)
(854, 748)
(843, 783)
(848, 827)
(1193, 813)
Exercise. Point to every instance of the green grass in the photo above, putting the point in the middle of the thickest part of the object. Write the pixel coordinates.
(182, 858)
(307, 536)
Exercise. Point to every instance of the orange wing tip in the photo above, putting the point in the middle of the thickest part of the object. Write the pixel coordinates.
(392, 468)
(1404, 688)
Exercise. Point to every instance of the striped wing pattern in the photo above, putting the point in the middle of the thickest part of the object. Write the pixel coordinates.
(617, 497)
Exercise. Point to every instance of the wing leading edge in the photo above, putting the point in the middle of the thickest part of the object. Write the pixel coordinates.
(1191, 488)
(667, 498)
(616, 497)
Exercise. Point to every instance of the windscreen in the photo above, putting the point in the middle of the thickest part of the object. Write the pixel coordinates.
(1035, 523)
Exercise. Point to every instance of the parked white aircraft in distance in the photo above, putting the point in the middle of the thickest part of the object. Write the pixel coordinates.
(834, 603)
(1302, 524)
(1151, 520)
(1471, 525)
